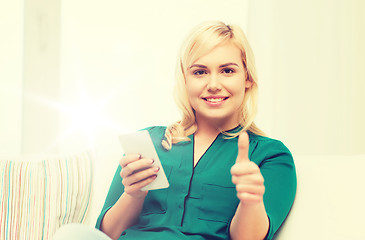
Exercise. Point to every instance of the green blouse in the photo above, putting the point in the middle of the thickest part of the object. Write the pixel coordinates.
(201, 201)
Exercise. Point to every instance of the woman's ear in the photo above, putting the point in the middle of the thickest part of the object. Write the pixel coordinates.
(248, 82)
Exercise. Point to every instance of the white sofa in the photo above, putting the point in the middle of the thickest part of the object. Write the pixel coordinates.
(329, 203)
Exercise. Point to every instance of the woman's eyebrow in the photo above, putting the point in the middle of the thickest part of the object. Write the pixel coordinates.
(198, 66)
(220, 66)
(228, 64)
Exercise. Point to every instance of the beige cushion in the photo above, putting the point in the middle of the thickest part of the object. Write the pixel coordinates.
(39, 194)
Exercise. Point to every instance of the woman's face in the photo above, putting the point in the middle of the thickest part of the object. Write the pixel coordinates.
(216, 84)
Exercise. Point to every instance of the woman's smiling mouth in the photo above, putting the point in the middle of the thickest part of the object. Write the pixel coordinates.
(214, 100)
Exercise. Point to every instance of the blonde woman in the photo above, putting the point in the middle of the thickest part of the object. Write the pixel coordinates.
(227, 180)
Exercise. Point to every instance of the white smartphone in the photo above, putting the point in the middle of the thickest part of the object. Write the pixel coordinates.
(141, 143)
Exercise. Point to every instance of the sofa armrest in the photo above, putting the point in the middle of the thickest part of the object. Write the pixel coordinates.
(330, 199)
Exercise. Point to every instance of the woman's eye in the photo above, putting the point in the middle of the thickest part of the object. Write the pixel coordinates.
(228, 70)
(199, 72)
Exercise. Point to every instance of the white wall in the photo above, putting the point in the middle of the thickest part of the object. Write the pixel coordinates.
(110, 66)
(311, 58)
(11, 74)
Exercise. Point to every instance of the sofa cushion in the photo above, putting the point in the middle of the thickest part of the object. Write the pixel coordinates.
(39, 194)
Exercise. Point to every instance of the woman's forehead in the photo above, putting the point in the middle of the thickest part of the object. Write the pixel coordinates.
(221, 54)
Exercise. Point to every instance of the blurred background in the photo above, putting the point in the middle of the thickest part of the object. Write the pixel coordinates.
(76, 74)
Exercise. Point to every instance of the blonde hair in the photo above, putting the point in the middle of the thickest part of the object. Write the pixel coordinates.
(201, 41)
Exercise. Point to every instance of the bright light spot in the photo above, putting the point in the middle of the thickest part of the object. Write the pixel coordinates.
(83, 121)
(87, 116)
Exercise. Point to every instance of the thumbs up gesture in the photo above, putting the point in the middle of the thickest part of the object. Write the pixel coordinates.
(246, 175)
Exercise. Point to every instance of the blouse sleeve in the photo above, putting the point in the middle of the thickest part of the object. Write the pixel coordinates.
(115, 191)
(278, 169)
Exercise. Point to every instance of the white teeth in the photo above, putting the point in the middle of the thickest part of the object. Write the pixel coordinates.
(215, 99)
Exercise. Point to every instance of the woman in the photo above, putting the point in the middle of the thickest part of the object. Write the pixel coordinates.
(227, 180)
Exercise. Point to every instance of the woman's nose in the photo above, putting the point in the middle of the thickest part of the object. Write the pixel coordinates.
(213, 84)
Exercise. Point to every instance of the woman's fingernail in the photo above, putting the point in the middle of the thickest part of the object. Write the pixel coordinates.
(156, 169)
